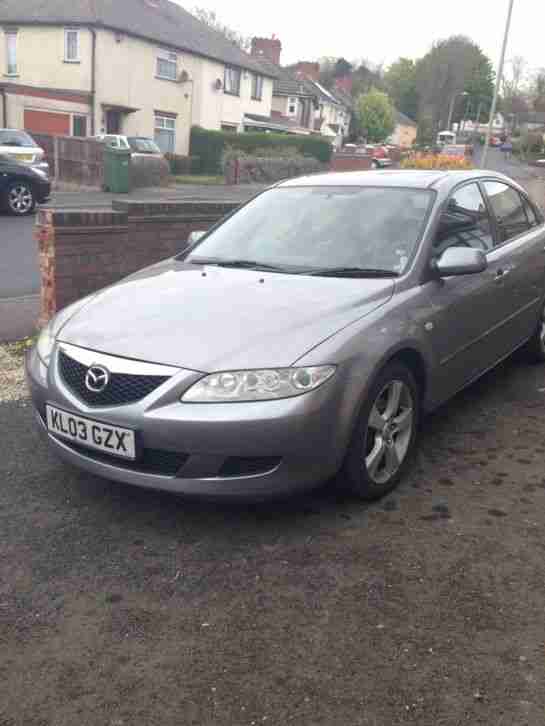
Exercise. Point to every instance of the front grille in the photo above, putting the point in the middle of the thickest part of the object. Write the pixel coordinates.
(152, 461)
(123, 388)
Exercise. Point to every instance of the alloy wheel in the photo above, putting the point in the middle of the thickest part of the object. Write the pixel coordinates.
(389, 431)
(20, 199)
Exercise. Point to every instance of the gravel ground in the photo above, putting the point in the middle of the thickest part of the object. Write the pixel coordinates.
(121, 607)
(12, 376)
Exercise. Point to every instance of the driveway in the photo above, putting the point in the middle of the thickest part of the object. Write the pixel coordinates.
(122, 607)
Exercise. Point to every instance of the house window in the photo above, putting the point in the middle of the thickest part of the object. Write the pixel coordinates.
(11, 52)
(257, 87)
(71, 45)
(79, 126)
(165, 133)
(292, 106)
(232, 81)
(167, 65)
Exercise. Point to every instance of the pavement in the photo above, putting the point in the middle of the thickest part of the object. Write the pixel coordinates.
(121, 607)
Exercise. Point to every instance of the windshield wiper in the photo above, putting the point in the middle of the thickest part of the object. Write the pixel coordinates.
(240, 264)
(353, 272)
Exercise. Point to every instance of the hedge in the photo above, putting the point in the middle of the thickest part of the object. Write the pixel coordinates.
(209, 145)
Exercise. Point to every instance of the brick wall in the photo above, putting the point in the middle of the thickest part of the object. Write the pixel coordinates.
(83, 251)
(351, 162)
(252, 170)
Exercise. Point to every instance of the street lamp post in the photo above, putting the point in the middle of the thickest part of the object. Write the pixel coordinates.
(498, 82)
(451, 110)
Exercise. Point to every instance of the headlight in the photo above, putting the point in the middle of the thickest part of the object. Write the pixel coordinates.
(44, 346)
(260, 385)
(40, 172)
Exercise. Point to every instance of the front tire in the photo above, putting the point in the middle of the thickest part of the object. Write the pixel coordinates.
(535, 347)
(385, 435)
(20, 198)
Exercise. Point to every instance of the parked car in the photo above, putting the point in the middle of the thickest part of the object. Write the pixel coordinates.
(381, 157)
(136, 144)
(22, 186)
(21, 146)
(303, 336)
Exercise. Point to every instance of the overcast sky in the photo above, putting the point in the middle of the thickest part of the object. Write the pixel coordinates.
(383, 31)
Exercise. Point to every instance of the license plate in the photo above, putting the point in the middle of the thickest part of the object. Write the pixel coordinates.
(24, 157)
(112, 440)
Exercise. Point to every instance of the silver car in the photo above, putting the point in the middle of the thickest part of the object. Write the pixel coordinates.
(301, 337)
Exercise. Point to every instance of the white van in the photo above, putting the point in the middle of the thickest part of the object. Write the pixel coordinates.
(446, 137)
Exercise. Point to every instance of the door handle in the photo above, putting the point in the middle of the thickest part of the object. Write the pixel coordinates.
(501, 274)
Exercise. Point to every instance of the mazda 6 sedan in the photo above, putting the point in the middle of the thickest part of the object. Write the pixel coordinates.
(300, 338)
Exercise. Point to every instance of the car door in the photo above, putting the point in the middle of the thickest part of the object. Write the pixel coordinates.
(466, 309)
(519, 256)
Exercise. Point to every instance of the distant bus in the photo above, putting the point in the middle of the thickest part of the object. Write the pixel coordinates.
(446, 137)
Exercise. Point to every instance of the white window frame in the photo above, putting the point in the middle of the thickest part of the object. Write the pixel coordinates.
(232, 80)
(292, 101)
(170, 58)
(162, 122)
(11, 34)
(258, 82)
(67, 32)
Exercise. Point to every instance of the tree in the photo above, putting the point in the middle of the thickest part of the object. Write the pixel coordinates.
(365, 77)
(538, 90)
(342, 68)
(400, 80)
(375, 114)
(452, 66)
(210, 18)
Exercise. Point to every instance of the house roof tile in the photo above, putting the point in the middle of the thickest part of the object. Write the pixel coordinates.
(159, 21)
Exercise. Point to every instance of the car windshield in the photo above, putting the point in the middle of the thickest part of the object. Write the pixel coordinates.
(313, 229)
(143, 146)
(16, 138)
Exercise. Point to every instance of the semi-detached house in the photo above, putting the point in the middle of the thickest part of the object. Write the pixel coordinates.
(136, 67)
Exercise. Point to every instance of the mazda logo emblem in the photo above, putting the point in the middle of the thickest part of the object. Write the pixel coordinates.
(96, 379)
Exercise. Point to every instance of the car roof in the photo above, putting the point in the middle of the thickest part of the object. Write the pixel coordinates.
(402, 178)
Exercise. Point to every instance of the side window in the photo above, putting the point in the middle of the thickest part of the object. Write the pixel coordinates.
(465, 222)
(509, 210)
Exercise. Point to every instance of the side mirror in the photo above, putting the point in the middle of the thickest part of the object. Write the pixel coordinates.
(457, 261)
(195, 236)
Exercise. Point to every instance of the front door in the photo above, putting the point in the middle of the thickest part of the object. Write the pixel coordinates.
(113, 122)
(466, 309)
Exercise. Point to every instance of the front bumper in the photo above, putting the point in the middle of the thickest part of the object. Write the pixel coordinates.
(257, 450)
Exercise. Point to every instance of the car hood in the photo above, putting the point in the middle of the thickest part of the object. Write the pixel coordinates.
(173, 314)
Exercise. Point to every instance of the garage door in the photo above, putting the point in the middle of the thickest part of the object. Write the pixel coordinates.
(46, 122)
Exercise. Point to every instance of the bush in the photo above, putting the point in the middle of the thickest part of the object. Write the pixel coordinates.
(180, 165)
(210, 145)
(436, 161)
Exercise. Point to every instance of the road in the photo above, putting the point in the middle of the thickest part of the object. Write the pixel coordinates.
(121, 607)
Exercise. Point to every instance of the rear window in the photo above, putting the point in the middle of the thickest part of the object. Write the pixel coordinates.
(143, 146)
(16, 138)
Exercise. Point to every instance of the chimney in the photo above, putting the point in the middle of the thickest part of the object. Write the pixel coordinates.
(269, 48)
(344, 83)
(308, 70)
